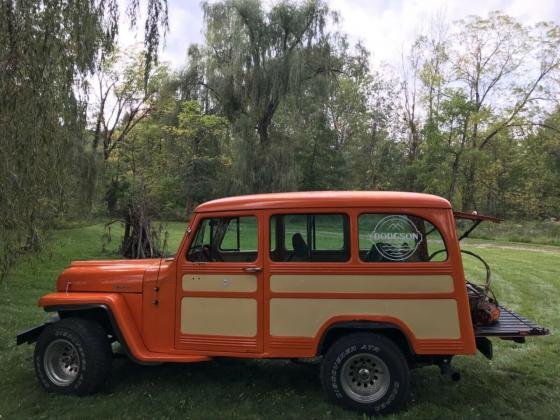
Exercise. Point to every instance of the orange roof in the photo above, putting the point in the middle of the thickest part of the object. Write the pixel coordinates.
(338, 199)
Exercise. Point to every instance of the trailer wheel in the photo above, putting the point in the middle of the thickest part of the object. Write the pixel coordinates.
(367, 373)
(73, 356)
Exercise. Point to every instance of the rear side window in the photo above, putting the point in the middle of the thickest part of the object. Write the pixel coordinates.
(399, 238)
(309, 238)
(225, 239)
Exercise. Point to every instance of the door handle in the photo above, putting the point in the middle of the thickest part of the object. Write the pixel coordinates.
(252, 269)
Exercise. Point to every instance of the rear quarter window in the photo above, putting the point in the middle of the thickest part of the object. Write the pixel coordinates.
(386, 237)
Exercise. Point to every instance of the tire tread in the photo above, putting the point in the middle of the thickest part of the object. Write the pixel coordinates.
(381, 341)
(96, 347)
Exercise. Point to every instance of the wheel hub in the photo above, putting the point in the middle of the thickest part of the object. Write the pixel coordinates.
(61, 362)
(364, 374)
(365, 377)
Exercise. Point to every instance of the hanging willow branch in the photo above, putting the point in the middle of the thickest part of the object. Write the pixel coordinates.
(47, 51)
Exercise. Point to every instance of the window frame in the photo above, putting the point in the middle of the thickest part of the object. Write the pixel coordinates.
(201, 217)
(281, 236)
(393, 212)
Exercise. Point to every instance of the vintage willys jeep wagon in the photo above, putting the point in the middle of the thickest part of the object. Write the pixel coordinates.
(371, 281)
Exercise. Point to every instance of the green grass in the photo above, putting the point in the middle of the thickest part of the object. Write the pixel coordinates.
(521, 381)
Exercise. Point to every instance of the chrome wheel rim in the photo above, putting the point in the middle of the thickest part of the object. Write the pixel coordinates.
(365, 378)
(61, 362)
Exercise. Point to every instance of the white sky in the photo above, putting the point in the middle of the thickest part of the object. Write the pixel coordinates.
(385, 27)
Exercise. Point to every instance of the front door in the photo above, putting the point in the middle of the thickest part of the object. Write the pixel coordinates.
(220, 286)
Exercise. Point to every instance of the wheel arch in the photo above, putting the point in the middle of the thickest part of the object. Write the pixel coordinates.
(97, 312)
(391, 330)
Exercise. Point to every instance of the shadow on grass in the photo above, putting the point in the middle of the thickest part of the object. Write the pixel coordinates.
(281, 387)
(266, 375)
(245, 388)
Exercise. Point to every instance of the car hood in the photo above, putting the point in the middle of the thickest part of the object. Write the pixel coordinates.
(105, 276)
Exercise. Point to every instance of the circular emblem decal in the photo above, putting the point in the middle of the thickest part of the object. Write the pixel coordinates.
(396, 237)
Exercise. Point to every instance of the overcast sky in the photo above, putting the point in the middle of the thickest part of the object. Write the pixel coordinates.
(383, 26)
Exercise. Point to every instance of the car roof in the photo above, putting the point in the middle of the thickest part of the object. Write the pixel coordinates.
(325, 199)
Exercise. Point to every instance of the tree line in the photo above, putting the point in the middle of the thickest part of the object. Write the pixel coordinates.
(273, 99)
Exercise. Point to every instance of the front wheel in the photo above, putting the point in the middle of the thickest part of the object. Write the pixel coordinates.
(366, 373)
(73, 356)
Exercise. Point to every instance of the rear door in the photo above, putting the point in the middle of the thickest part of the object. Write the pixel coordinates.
(219, 303)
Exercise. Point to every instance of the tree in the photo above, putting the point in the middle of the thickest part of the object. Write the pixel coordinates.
(337, 125)
(126, 94)
(503, 64)
(171, 161)
(423, 80)
(533, 189)
(47, 49)
(463, 93)
(254, 59)
(199, 144)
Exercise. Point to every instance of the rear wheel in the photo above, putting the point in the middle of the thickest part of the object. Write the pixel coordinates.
(366, 373)
(73, 356)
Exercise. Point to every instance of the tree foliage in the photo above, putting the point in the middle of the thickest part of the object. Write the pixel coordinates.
(463, 119)
(47, 48)
(125, 95)
(253, 60)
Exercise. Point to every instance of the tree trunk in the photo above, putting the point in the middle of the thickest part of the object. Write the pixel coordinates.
(415, 140)
(139, 240)
(111, 196)
(454, 175)
(468, 200)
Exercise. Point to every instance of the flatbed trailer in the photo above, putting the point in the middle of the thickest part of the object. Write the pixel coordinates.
(510, 326)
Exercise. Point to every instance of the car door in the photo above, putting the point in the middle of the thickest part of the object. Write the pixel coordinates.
(219, 285)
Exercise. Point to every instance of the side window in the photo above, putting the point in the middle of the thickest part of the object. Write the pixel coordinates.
(225, 239)
(399, 238)
(309, 238)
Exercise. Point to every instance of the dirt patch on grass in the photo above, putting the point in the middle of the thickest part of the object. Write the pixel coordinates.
(546, 249)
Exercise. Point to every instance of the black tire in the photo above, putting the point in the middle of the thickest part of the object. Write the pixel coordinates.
(349, 374)
(73, 356)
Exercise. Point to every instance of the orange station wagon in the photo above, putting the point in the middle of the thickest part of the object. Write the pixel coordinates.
(370, 282)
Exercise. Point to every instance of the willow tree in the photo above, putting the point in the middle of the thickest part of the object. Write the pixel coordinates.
(47, 49)
(254, 58)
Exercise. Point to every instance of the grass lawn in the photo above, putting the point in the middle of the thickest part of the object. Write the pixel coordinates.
(521, 381)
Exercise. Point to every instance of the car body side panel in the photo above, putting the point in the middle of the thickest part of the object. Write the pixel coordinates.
(437, 321)
(134, 305)
(158, 307)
